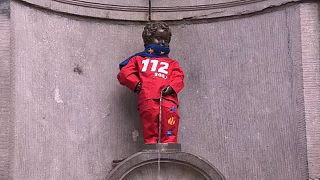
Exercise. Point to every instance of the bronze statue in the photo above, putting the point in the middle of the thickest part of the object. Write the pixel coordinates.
(157, 79)
(156, 33)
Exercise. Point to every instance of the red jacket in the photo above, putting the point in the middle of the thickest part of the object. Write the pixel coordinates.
(154, 74)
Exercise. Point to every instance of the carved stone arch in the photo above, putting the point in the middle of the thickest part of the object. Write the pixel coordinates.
(169, 10)
(146, 159)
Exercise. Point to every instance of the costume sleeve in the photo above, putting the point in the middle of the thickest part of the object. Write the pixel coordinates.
(177, 78)
(129, 74)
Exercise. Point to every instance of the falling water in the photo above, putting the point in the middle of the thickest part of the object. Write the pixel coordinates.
(159, 136)
(159, 168)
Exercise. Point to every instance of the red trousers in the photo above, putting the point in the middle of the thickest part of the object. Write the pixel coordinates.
(149, 115)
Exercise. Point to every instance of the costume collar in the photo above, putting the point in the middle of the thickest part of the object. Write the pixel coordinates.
(157, 50)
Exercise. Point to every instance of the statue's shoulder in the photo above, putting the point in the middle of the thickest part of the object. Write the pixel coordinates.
(174, 61)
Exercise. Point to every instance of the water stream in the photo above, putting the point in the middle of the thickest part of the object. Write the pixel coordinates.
(159, 168)
(159, 136)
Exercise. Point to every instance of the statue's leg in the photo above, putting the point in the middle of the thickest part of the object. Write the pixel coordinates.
(170, 122)
(149, 114)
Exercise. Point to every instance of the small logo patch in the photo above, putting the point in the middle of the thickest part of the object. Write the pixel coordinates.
(169, 133)
(173, 109)
(171, 121)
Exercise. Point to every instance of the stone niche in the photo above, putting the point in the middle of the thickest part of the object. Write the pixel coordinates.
(250, 102)
(161, 10)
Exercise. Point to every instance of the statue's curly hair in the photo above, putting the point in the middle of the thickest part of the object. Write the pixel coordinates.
(151, 28)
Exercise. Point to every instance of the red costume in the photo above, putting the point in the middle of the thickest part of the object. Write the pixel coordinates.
(155, 74)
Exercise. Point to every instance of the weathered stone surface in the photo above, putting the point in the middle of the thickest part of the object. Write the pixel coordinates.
(242, 91)
(6, 126)
(241, 109)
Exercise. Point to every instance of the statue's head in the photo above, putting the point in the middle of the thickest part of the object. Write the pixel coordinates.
(156, 32)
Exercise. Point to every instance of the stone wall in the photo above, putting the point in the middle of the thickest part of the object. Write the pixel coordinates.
(6, 124)
(310, 25)
(249, 106)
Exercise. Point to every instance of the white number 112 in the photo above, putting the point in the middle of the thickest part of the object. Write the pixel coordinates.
(162, 69)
